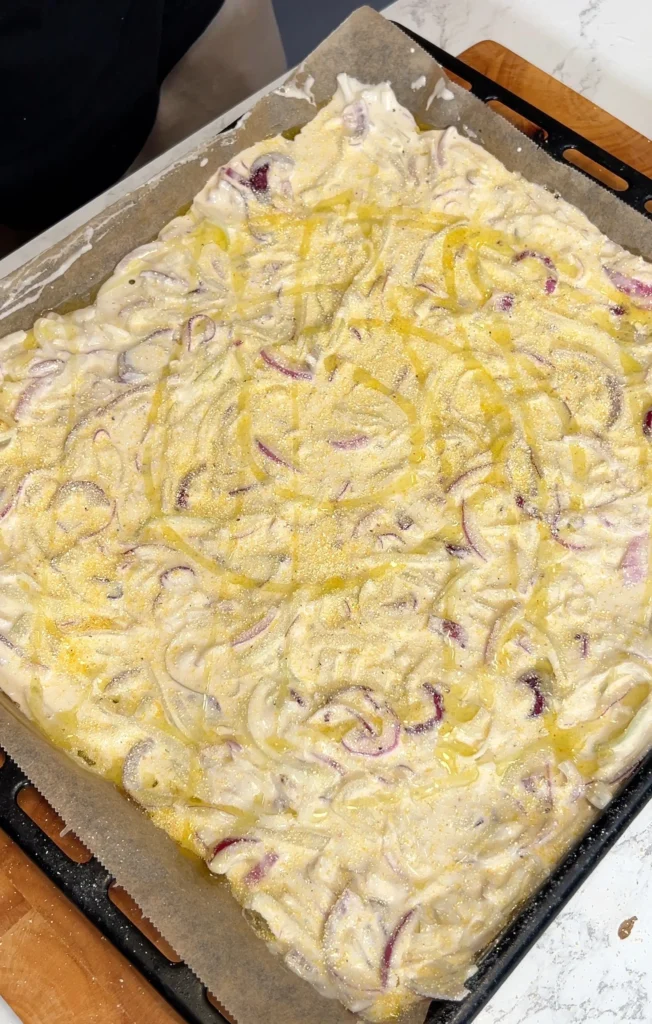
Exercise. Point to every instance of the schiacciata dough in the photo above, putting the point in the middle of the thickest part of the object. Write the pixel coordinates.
(324, 533)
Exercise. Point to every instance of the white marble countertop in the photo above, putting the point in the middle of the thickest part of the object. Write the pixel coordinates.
(600, 48)
(580, 972)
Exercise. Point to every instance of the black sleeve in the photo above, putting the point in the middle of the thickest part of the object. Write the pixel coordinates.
(80, 83)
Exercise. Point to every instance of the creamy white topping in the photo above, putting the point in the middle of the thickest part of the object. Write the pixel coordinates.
(325, 533)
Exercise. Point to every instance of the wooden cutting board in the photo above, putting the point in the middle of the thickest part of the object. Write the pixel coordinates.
(55, 967)
(557, 100)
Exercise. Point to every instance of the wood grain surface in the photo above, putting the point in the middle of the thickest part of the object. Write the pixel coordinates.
(557, 100)
(55, 967)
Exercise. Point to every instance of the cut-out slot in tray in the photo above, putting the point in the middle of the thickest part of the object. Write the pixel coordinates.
(30, 821)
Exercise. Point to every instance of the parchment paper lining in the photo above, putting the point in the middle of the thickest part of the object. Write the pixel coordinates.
(195, 912)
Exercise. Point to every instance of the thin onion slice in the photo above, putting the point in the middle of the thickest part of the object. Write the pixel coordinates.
(534, 682)
(255, 630)
(449, 629)
(261, 869)
(472, 534)
(634, 565)
(388, 952)
(154, 771)
(350, 443)
(288, 371)
(429, 723)
(551, 281)
(225, 844)
(199, 330)
(631, 286)
(273, 457)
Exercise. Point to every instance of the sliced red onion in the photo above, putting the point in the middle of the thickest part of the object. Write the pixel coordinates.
(171, 280)
(258, 180)
(261, 869)
(447, 628)
(624, 773)
(523, 641)
(388, 952)
(46, 368)
(150, 792)
(530, 254)
(179, 577)
(269, 454)
(472, 534)
(634, 565)
(408, 604)
(126, 372)
(535, 356)
(350, 443)
(631, 286)
(615, 390)
(355, 119)
(199, 330)
(492, 636)
(505, 303)
(443, 144)
(235, 176)
(467, 477)
(584, 642)
(28, 394)
(571, 545)
(255, 630)
(240, 490)
(224, 844)
(534, 682)
(273, 157)
(598, 794)
(182, 499)
(530, 510)
(573, 776)
(617, 310)
(210, 705)
(331, 762)
(296, 374)
(364, 739)
(647, 423)
(457, 550)
(161, 332)
(550, 285)
(429, 723)
(93, 494)
(368, 742)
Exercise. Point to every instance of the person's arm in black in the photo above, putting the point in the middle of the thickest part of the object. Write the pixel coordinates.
(80, 84)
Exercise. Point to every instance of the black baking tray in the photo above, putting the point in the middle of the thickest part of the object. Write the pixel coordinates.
(87, 885)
